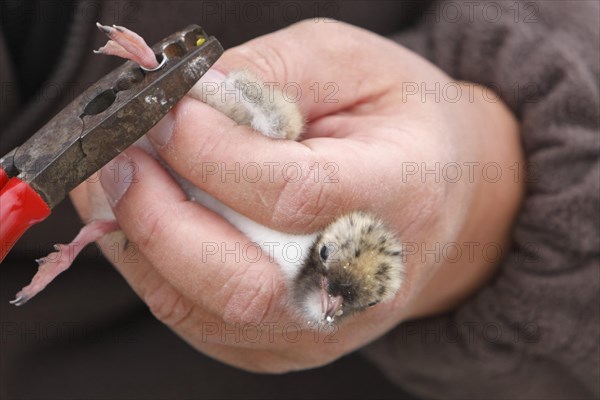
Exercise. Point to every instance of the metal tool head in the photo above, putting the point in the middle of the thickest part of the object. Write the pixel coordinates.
(110, 116)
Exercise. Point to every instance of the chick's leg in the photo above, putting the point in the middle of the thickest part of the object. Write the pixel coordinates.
(60, 260)
(127, 44)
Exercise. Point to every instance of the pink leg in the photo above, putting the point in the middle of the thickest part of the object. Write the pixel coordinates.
(127, 44)
(55, 263)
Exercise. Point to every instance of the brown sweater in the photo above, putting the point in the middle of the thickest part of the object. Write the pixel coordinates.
(534, 330)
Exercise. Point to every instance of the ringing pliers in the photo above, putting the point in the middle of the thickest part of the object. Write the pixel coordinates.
(93, 129)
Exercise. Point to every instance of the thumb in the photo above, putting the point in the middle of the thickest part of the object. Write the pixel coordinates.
(318, 64)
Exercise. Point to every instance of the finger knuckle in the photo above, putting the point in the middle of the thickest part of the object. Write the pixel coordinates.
(185, 115)
(268, 61)
(149, 226)
(254, 298)
(168, 306)
(301, 200)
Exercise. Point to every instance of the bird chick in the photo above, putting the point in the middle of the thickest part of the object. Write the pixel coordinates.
(244, 98)
(352, 264)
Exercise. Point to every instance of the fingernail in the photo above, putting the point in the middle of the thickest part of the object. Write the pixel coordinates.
(207, 89)
(161, 133)
(116, 177)
(213, 76)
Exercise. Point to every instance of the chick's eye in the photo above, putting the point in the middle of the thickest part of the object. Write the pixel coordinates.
(372, 304)
(324, 253)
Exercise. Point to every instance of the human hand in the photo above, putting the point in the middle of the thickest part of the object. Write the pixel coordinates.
(372, 136)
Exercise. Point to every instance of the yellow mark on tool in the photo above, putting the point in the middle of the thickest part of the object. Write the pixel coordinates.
(200, 41)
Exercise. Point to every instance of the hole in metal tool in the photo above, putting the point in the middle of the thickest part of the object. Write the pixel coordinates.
(174, 50)
(161, 59)
(128, 79)
(191, 38)
(100, 103)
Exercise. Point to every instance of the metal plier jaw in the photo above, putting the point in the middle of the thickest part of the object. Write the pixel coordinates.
(97, 126)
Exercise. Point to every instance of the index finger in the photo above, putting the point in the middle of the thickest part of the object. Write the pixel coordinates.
(287, 185)
(321, 65)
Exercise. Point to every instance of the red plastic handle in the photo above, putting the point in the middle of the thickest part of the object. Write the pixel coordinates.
(3, 178)
(20, 208)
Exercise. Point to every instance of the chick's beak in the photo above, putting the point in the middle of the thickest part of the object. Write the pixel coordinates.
(331, 306)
